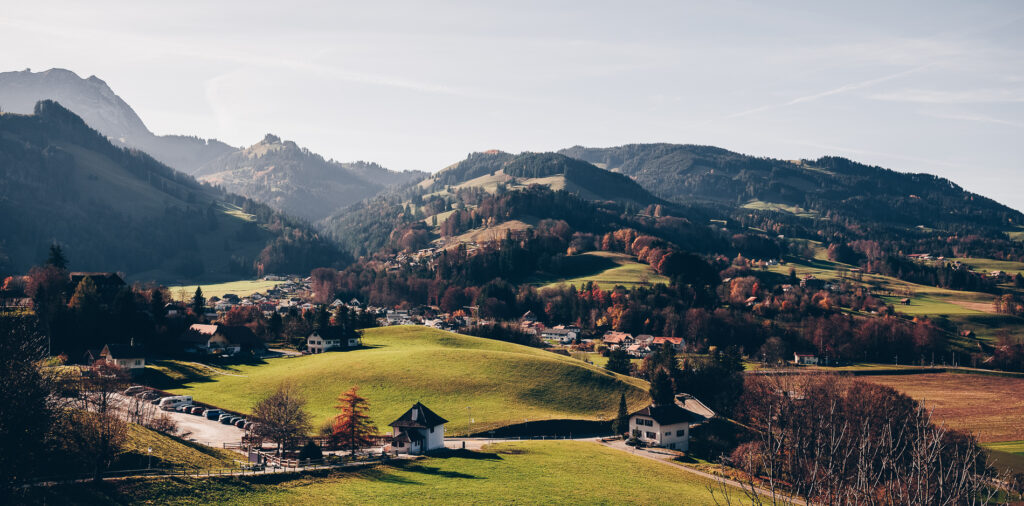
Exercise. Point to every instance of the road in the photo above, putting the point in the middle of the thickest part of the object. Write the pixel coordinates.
(194, 427)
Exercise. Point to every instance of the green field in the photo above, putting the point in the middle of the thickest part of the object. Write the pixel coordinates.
(537, 472)
(989, 265)
(759, 205)
(240, 288)
(608, 270)
(500, 383)
(1007, 455)
(170, 451)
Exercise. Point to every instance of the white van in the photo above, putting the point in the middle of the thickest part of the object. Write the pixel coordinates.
(169, 403)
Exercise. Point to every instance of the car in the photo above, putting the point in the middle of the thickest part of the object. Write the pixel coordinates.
(233, 420)
(197, 410)
(148, 395)
(213, 414)
(135, 389)
(248, 426)
(184, 408)
(240, 424)
(225, 419)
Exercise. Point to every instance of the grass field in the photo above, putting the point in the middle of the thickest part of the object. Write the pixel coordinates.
(1007, 455)
(609, 269)
(536, 472)
(991, 407)
(759, 205)
(170, 451)
(989, 265)
(500, 383)
(240, 288)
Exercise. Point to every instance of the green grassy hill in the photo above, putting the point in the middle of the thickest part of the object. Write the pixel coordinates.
(609, 269)
(548, 472)
(500, 383)
(169, 451)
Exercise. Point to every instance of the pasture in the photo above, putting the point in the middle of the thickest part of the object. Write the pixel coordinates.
(240, 288)
(990, 407)
(477, 384)
(535, 472)
(608, 270)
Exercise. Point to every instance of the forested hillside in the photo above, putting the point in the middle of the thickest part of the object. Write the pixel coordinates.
(115, 209)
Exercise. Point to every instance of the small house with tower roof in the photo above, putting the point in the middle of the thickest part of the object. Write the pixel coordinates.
(418, 431)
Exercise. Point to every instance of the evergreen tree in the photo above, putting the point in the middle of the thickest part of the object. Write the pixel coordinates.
(198, 302)
(57, 258)
(323, 318)
(352, 426)
(618, 362)
(156, 304)
(661, 388)
(621, 423)
(275, 325)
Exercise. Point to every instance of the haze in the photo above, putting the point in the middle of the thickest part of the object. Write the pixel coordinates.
(934, 87)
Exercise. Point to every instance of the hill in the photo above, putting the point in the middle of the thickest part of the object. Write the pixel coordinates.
(531, 472)
(115, 209)
(297, 181)
(500, 383)
(827, 186)
(102, 109)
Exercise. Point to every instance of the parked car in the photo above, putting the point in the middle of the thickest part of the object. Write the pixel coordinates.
(135, 389)
(225, 419)
(184, 408)
(213, 414)
(148, 395)
(240, 424)
(247, 426)
(197, 410)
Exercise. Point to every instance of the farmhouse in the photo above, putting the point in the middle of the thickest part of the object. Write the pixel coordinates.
(805, 359)
(225, 339)
(616, 339)
(330, 338)
(668, 426)
(417, 431)
(563, 335)
(126, 356)
(675, 342)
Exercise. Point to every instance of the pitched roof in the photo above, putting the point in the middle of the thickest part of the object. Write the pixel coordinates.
(125, 351)
(663, 340)
(201, 333)
(424, 418)
(670, 414)
(331, 333)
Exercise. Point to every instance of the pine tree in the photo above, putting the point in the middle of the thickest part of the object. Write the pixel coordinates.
(352, 426)
(661, 388)
(57, 258)
(198, 302)
(621, 423)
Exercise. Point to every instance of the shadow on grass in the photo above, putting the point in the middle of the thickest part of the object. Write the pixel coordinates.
(464, 454)
(433, 471)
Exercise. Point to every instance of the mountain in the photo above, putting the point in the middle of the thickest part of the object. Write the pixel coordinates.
(94, 101)
(829, 186)
(297, 181)
(115, 209)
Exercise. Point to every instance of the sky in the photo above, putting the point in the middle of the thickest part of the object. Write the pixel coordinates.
(931, 86)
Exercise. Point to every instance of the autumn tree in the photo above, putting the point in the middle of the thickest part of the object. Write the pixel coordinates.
(352, 427)
(282, 417)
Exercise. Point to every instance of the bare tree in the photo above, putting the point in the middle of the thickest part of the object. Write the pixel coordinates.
(281, 417)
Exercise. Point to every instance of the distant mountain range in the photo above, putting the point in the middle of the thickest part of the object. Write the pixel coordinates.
(114, 209)
(297, 181)
(280, 174)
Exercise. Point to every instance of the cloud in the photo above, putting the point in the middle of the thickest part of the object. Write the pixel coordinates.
(980, 96)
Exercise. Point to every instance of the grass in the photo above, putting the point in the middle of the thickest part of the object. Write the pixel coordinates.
(240, 288)
(169, 451)
(988, 265)
(501, 383)
(1008, 455)
(536, 472)
(991, 407)
(608, 270)
(759, 205)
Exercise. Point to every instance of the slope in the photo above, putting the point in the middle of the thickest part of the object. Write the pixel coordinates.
(297, 181)
(119, 210)
(102, 109)
(500, 383)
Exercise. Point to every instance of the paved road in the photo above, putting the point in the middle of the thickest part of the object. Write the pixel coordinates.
(197, 428)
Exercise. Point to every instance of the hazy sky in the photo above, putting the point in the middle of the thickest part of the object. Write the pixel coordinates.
(916, 86)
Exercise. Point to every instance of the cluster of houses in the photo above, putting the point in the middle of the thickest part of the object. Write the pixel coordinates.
(641, 345)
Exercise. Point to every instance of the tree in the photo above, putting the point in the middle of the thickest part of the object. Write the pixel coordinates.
(311, 451)
(352, 426)
(661, 388)
(618, 362)
(198, 302)
(282, 417)
(100, 433)
(621, 423)
(57, 258)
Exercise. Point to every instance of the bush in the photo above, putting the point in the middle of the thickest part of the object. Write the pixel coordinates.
(310, 450)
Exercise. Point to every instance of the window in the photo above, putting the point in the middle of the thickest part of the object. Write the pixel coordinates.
(669, 433)
(431, 430)
(138, 362)
(680, 432)
(651, 435)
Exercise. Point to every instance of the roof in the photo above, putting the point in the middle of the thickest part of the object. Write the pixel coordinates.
(616, 337)
(331, 333)
(663, 340)
(561, 332)
(425, 418)
(201, 333)
(124, 351)
(669, 415)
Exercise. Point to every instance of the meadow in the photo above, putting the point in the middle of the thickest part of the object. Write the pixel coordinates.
(240, 288)
(990, 407)
(608, 270)
(170, 451)
(477, 384)
(536, 472)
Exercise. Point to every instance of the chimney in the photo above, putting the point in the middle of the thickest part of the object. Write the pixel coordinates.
(415, 412)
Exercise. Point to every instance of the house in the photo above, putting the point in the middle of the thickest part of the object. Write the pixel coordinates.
(126, 356)
(665, 426)
(329, 338)
(675, 342)
(528, 317)
(563, 336)
(812, 283)
(638, 350)
(225, 339)
(174, 309)
(398, 317)
(91, 355)
(354, 302)
(617, 339)
(644, 339)
(805, 359)
(417, 431)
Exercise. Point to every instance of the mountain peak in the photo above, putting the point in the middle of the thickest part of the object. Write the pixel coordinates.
(271, 139)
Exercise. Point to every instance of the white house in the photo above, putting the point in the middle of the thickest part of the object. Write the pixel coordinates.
(398, 317)
(126, 356)
(805, 359)
(562, 335)
(417, 431)
(330, 338)
(664, 426)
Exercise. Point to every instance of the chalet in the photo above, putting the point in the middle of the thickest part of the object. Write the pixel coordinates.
(330, 338)
(638, 350)
(528, 317)
(616, 339)
(675, 342)
(398, 317)
(226, 339)
(644, 339)
(417, 431)
(173, 309)
(563, 336)
(665, 426)
(354, 302)
(126, 356)
(805, 359)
